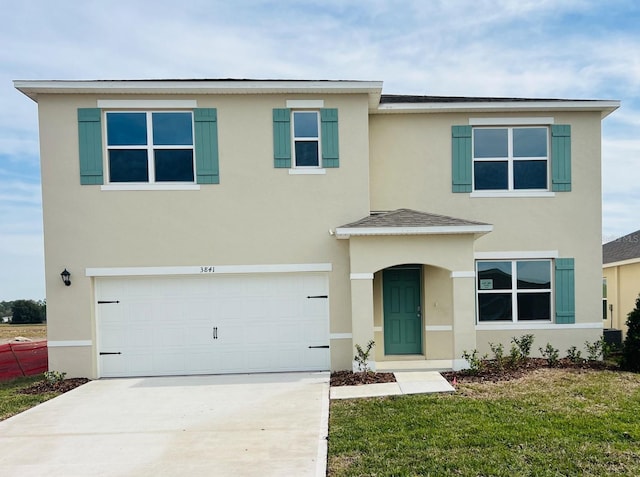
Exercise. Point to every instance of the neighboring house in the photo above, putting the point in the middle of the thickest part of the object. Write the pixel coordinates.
(232, 226)
(621, 272)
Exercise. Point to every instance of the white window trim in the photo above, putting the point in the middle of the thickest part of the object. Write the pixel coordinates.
(515, 193)
(517, 255)
(147, 103)
(305, 103)
(510, 160)
(537, 326)
(302, 171)
(533, 121)
(514, 290)
(149, 147)
(116, 186)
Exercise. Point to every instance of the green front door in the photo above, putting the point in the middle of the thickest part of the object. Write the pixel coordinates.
(402, 311)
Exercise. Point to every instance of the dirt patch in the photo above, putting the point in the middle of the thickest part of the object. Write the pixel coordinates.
(30, 332)
(349, 378)
(43, 387)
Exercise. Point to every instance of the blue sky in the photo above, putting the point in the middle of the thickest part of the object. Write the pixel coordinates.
(585, 49)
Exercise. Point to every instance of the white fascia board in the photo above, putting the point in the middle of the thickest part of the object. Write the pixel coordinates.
(630, 261)
(346, 232)
(207, 269)
(32, 88)
(605, 107)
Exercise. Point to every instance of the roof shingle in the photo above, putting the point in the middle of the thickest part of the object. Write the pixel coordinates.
(623, 248)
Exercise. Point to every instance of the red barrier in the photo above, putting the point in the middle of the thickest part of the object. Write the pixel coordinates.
(23, 359)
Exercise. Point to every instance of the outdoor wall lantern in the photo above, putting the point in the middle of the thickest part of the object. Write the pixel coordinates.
(66, 277)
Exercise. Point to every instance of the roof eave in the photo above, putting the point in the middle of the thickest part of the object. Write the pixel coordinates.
(620, 263)
(33, 88)
(605, 107)
(348, 232)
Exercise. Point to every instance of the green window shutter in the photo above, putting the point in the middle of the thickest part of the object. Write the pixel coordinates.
(560, 157)
(330, 145)
(461, 158)
(565, 291)
(90, 145)
(205, 121)
(282, 138)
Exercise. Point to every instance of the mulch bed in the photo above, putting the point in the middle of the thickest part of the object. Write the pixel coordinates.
(491, 372)
(348, 378)
(44, 386)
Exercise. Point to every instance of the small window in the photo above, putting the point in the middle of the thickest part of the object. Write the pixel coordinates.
(150, 147)
(510, 158)
(514, 291)
(306, 139)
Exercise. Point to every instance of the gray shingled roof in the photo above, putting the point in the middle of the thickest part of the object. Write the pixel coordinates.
(409, 218)
(623, 248)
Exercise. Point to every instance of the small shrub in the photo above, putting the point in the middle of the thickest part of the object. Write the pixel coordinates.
(551, 354)
(498, 354)
(574, 355)
(524, 344)
(631, 348)
(362, 357)
(476, 363)
(594, 350)
(54, 377)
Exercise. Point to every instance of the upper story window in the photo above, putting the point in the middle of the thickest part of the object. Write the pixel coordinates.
(514, 290)
(510, 158)
(529, 158)
(150, 146)
(306, 138)
(305, 141)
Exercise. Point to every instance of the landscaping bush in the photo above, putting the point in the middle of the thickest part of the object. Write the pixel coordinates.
(631, 349)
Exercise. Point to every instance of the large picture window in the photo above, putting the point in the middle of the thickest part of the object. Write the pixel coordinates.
(510, 158)
(150, 147)
(513, 290)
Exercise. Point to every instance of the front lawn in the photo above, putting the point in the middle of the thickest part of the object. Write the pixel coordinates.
(551, 422)
(13, 401)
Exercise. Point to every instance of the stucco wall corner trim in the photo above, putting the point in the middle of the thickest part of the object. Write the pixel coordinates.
(361, 276)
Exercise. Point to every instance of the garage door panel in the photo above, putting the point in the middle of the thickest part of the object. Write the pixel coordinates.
(165, 325)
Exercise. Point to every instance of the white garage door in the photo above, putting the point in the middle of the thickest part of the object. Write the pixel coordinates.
(212, 324)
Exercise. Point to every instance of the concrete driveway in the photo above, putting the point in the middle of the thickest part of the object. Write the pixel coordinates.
(233, 425)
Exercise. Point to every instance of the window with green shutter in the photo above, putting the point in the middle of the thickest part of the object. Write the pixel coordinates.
(149, 147)
(306, 139)
(527, 158)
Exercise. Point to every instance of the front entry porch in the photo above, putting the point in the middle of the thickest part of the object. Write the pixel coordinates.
(413, 288)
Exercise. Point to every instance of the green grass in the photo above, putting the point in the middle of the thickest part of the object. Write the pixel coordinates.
(12, 402)
(550, 423)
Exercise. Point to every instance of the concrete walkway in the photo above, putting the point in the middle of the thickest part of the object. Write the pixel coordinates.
(409, 382)
(234, 425)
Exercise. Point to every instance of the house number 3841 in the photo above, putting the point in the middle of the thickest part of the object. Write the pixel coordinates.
(207, 269)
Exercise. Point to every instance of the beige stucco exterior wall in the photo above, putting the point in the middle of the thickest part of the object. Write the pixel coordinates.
(623, 288)
(256, 215)
(411, 153)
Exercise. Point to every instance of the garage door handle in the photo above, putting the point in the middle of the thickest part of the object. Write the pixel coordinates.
(102, 354)
(323, 347)
(100, 302)
(215, 332)
(318, 296)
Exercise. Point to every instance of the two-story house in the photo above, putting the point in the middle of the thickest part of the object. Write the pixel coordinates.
(233, 226)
